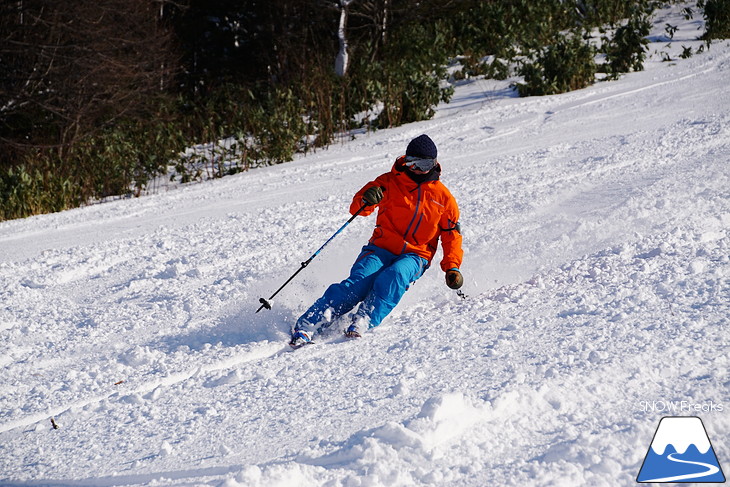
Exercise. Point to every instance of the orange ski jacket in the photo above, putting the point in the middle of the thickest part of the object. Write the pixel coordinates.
(412, 216)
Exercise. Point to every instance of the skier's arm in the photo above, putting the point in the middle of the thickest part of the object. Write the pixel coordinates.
(451, 238)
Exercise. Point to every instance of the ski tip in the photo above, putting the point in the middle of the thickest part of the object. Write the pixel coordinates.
(297, 346)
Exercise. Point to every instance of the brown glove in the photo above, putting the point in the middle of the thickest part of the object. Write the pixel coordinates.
(454, 279)
(373, 195)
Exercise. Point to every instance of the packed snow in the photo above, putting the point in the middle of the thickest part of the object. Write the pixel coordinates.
(597, 269)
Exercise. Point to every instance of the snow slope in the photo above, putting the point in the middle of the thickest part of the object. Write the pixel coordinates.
(597, 271)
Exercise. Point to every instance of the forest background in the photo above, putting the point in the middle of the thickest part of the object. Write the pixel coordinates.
(101, 98)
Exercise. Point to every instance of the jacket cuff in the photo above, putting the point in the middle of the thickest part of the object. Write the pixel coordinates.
(447, 266)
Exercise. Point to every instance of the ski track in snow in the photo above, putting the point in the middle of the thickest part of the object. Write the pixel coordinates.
(597, 267)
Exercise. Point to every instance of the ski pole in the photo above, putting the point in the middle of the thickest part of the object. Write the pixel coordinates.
(265, 302)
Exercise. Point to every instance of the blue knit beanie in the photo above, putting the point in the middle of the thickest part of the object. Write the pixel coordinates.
(422, 146)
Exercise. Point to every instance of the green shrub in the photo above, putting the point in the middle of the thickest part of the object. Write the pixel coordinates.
(405, 78)
(566, 65)
(117, 160)
(626, 50)
(717, 18)
(25, 192)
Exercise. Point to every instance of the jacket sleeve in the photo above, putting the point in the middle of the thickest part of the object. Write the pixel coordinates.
(357, 199)
(451, 237)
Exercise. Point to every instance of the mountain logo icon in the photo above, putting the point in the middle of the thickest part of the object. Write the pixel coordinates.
(680, 452)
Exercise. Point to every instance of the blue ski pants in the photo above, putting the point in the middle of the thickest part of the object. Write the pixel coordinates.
(378, 279)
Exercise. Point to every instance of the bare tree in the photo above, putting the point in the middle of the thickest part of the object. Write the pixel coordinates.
(341, 60)
(68, 69)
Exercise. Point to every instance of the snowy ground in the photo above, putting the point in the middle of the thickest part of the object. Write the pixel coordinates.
(597, 267)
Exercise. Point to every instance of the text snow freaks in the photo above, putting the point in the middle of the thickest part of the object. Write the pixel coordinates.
(680, 407)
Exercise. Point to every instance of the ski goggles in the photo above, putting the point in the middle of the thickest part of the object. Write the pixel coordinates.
(420, 163)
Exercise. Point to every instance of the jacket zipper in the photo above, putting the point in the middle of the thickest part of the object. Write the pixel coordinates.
(415, 214)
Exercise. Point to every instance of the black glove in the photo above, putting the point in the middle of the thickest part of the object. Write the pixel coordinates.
(454, 279)
(373, 195)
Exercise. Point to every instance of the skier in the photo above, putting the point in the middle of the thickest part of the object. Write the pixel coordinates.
(415, 210)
